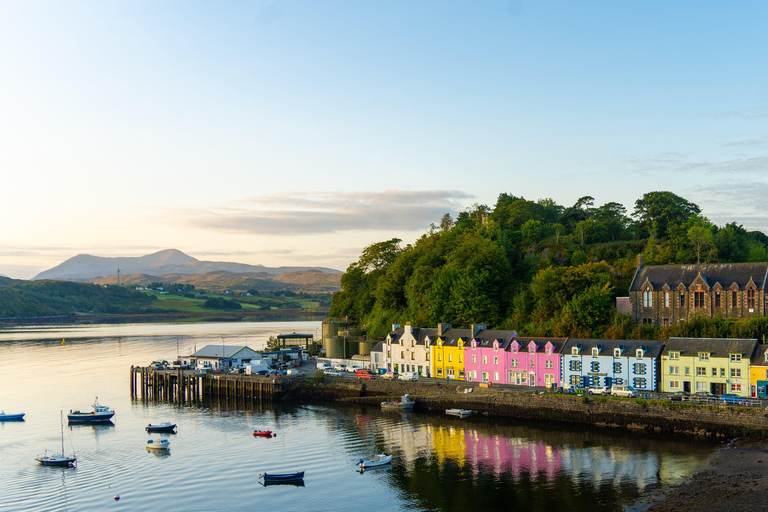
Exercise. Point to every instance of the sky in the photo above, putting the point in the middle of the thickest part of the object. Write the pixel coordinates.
(298, 132)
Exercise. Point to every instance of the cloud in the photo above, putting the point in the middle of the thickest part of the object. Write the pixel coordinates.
(757, 166)
(328, 212)
(742, 203)
(748, 143)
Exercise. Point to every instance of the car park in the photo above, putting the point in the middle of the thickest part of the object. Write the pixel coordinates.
(623, 391)
(599, 390)
(332, 373)
(730, 398)
(679, 396)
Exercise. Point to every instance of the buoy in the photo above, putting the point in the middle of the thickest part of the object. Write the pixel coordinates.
(63, 342)
(117, 497)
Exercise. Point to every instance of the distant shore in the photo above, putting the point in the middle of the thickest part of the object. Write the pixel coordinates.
(213, 316)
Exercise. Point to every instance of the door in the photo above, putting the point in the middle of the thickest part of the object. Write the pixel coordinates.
(753, 391)
(531, 379)
(687, 386)
(485, 376)
(549, 380)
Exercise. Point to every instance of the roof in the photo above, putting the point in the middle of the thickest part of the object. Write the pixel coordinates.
(653, 348)
(717, 347)
(724, 273)
(558, 343)
(379, 347)
(758, 358)
(216, 351)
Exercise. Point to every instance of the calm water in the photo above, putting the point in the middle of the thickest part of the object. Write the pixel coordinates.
(440, 463)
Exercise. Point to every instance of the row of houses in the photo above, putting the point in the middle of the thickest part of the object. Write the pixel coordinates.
(478, 354)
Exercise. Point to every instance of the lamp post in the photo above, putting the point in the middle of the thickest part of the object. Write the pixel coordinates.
(223, 352)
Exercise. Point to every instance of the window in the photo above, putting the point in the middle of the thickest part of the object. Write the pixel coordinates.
(402, 354)
(461, 358)
(495, 346)
(714, 372)
(766, 374)
(735, 372)
(595, 351)
(736, 388)
(474, 374)
(495, 360)
(666, 299)
(639, 383)
(618, 382)
(698, 299)
(496, 376)
(703, 356)
(701, 372)
(616, 367)
(734, 298)
(474, 360)
(674, 355)
(701, 386)
(413, 356)
(548, 350)
(617, 352)
(674, 384)
(735, 358)
(450, 358)
(427, 356)
(575, 380)
(682, 299)
(687, 370)
(513, 363)
(639, 369)
(533, 363)
(674, 370)
(574, 351)
(639, 353)
(548, 364)
(389, 354)
(751, 298)
(647, 321)
(439, 371)
(575, 366)
(485, 359)
(647, 298)
(439, 357)
(717, 299)
(595, 366)
(722, 372)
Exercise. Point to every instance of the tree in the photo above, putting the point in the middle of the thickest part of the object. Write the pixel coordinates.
(377, 256)
(446, 222)
(660, 209)
(700, 238)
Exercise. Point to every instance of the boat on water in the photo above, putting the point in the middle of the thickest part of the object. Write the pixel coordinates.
(378, 460)
(158, 444)
(56, 459)
(11, 417)
(99, 414)
(263, 433)
(165, 427)
(277, 478)
(405, 402)
(461, 413)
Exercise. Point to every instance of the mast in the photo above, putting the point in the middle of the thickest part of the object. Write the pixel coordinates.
(61, 420)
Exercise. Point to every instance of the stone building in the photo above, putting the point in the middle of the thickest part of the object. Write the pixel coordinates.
(668, 294)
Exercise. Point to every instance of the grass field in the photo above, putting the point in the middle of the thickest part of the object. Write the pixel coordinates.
(170, 302)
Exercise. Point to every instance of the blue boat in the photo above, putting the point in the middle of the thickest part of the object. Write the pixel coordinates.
(279, 478)
(11, 417)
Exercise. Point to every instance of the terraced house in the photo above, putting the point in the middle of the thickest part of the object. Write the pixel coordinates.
(668, 294)
(534, 361)
(447, 353)
(485, 359)
(596, 362)
(758, 373)
(707, 364)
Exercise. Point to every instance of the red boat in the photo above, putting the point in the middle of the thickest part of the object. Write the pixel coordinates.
(262, 433)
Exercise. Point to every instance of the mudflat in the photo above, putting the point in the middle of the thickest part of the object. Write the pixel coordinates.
(735, 480)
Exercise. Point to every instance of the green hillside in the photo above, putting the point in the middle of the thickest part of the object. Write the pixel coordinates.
(539, 267)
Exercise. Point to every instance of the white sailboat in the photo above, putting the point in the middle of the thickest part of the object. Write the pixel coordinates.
(55, 459)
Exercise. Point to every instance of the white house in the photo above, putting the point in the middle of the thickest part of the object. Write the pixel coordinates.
(224, 357)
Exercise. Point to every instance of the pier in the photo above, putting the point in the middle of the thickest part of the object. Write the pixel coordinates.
(192, 387)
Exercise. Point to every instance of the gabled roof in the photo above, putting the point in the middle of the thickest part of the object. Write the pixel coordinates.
(652, 347)
(717, 347)
(558, 343)
(217, 350)
(723, 273)
(758, 359)
(379, 347)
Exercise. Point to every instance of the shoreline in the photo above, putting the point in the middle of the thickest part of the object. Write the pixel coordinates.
(735, 479)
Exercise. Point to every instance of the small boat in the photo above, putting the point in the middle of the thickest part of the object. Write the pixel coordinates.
(275, 478)
(11, 417)
(158, 444)
(100, 413)
(461, 413)
(378, 460)
(54, 459)
(405, 402)
(165, 427)
(263, 433)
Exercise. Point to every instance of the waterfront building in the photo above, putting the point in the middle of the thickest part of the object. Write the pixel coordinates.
(668, 294)
(407, 350)
(447, 353)
(758, 373)
(485, 358)
(378, 364)
(534, 361)
(717, 365)
(597, 362)
(222, 357)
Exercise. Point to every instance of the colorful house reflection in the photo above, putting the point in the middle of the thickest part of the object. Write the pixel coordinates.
(512, 455)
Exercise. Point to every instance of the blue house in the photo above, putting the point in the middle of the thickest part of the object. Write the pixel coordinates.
(592, 363)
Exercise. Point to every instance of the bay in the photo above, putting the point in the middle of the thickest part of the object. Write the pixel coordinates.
(440, 463)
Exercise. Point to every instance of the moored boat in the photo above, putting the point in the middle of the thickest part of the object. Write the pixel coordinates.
(461, 413)
(274, 478)
(378, 460)
(99, 414)
(11, 417)
(165, 427)
(55, 459)
(405, 402)
(158, 444)
(263, 433)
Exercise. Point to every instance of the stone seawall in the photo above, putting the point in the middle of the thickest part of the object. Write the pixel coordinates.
(658, 415)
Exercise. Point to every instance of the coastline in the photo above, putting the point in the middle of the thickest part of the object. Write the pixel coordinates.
(735, 479)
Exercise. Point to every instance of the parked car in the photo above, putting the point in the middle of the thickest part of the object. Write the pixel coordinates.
(599, 390)
(704, 395)
(388, 375)
(730, 398)
(339, 368)
(623, 391)
(352, 368)
(332, 373)
(364, 374)
(679, 396)
(408, 376)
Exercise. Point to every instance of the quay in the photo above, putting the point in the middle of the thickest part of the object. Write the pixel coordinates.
(192, 387)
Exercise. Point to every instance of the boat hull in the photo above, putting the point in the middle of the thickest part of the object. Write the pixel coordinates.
(397, 405)
(262, 433)
(101, 417)
(12, 417)
(158, 445)
(161, 429)
(460, 413)
(376, 462)
(57, 461)
(275, 478)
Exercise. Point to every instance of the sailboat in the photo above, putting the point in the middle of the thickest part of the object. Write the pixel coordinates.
(54, 459)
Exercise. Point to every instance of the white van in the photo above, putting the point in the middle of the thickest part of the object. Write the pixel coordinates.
(323, 366)
(624, 391)
(408, 376)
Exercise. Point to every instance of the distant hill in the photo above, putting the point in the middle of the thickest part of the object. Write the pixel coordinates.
(85, 267)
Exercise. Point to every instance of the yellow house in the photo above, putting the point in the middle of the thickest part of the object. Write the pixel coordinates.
(448, 358)
(758, 373)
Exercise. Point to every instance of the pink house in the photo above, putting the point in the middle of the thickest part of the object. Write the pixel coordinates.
(485, 357)
(534, 361)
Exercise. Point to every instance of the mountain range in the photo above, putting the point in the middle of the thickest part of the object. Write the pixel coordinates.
(174, 266)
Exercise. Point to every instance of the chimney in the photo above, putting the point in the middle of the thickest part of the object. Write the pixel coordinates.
(395, 327)
(408, 328)
(441, 328)
(476, 328)
(640, 261)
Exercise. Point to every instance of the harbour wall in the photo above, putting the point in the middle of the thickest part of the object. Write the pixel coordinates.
(651, 415)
